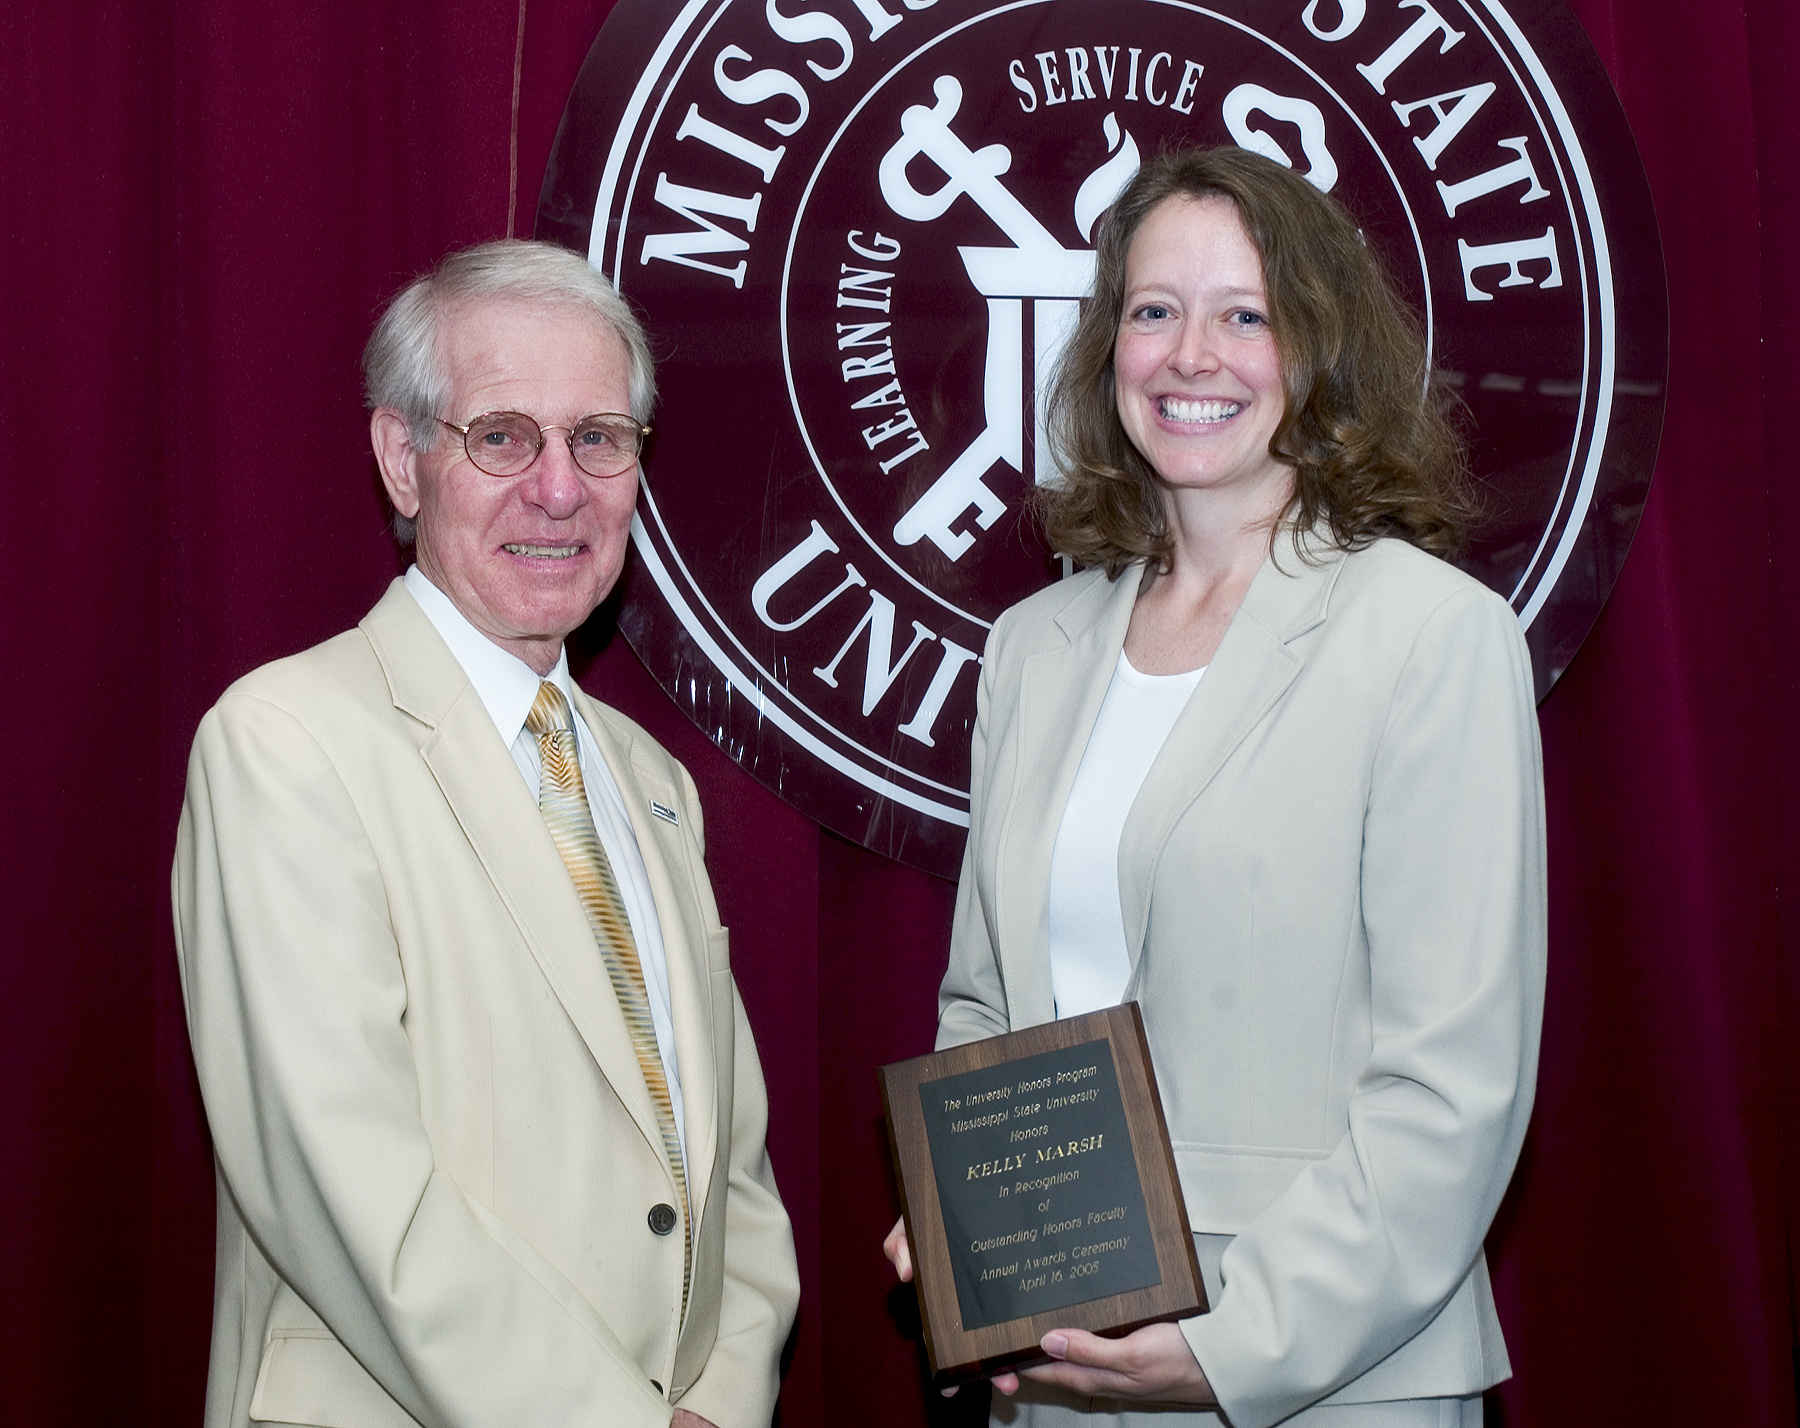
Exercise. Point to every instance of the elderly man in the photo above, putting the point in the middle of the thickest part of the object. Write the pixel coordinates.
(488, 1117)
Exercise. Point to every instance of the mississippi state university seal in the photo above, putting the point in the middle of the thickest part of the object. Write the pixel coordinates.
(859, 232)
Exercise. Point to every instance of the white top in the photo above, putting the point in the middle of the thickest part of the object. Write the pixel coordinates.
(507, 688)
(1089, 963)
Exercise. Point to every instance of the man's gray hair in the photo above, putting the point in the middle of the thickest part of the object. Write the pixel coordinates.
(403, 366)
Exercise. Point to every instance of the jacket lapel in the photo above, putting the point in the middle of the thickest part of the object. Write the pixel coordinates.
(1061, 689)
(495, 810)
(1253, 667)
(664, 849)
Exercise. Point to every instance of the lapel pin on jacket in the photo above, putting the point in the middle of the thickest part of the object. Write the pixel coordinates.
(664, 812)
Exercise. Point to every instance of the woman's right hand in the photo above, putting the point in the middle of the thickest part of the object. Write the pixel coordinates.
(898, 1251)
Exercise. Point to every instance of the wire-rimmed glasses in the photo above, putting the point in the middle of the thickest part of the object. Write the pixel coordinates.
(507, 443)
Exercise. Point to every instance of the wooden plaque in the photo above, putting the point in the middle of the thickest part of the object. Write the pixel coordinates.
(1039, 1191)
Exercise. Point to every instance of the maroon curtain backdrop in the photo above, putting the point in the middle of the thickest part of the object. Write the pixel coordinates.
(204, 203)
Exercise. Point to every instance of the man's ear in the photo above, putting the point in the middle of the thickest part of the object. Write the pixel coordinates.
(397, 457)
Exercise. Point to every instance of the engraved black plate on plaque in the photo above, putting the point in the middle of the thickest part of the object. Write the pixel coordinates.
(1039, 1191)
(1037, 1184)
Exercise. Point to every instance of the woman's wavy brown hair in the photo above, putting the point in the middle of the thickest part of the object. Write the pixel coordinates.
(1372, 450)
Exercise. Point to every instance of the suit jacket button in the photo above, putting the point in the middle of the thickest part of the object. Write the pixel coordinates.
(662, 1219)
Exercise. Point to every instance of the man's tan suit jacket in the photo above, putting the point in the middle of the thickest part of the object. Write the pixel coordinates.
(436, 1151)
(1332, 883)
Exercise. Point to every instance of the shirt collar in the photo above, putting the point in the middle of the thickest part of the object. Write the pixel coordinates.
(505, 684)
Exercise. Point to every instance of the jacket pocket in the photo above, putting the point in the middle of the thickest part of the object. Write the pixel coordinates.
(1226, 1187)
(308, 1377)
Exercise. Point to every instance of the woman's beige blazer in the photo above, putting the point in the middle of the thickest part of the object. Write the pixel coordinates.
(436, 1151)
(1333, 891)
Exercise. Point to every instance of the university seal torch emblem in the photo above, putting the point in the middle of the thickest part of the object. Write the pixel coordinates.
(859, 232)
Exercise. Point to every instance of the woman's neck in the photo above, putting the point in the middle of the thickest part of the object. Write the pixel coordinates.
(1219, 533)
(1219, 545)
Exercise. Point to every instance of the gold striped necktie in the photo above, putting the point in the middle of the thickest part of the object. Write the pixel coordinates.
(562, 798)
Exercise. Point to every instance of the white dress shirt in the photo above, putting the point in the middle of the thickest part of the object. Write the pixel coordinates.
(1089, 962)
(507, 688)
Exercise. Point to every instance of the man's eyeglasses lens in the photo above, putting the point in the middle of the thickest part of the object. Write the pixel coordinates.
(506, 443)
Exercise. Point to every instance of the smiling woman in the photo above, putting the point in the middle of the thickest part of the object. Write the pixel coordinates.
(1368, 456)
(1271, 770)
(1197, 372)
